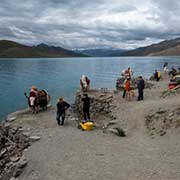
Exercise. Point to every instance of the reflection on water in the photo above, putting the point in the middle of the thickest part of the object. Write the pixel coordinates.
(60, 76)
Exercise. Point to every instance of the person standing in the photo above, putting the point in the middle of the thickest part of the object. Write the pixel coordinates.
(62, 106)
(157, 75)
(140, 87)
(127, 87)
(34, 99)
(86, 107)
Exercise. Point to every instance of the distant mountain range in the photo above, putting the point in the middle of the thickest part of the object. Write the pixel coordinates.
(102, 52)
(10, 49)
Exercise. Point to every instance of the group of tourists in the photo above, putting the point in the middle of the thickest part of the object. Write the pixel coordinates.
(37, 99)
(128, 92)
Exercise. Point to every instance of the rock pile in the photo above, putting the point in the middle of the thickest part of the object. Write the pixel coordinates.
(12, 144)
(120, 83)
(101, 104)
(159, 122)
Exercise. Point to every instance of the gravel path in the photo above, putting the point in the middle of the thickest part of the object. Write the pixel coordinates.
(67, 153)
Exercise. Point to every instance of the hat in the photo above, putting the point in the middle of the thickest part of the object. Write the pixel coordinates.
(34, 88)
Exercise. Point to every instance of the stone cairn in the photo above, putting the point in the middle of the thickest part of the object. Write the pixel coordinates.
(101, 104)
(12, 144)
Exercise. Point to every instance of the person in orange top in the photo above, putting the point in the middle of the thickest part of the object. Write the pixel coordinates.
(127, 86)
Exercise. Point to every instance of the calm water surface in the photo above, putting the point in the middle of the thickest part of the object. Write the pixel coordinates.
(60, 76)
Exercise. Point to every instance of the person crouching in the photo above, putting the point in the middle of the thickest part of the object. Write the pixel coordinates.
(62, 106)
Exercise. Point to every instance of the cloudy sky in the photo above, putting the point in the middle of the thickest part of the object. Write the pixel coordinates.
(90, 23)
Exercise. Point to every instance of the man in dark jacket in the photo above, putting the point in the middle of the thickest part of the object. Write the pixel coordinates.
(62, 106)
(140, 87)
(86, 106)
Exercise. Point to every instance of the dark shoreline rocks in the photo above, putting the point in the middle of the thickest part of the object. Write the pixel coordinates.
(12, 145)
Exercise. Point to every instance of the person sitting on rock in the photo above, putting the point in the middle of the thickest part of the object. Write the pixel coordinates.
(62, 106)
(85, 83)
(86, 107)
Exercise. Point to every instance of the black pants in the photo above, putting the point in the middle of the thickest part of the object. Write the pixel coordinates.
(124, 93)
(62, 116)
(140, 94)
(157, 79)
(86, 114)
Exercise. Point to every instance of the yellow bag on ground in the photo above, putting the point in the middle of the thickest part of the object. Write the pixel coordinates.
(87, 126)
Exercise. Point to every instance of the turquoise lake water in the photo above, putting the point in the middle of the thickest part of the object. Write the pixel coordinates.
(60, 76)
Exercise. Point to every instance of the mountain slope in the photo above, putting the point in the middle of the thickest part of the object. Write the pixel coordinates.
(12, 49)
(164, 48)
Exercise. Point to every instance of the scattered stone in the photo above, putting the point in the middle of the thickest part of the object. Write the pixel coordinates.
(7, 125)
(11, 119)
(171, 114)
(13, 178)
(34, 138)
(14, 159)
(26, 134)
(21, 164)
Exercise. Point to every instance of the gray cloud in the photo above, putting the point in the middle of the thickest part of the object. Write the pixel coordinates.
(89, 24)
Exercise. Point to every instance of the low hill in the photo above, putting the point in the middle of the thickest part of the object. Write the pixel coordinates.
(10, 49)
(164, 48)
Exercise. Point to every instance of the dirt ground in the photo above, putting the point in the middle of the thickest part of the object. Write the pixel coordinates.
(67, 153)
